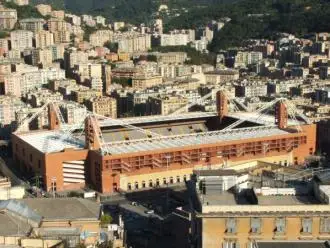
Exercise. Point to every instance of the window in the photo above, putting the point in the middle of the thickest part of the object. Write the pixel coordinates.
(230, 244)
(255, 225)
(184, 178)
(164, 181)
(311, 151)
(136, 185)
(129, 186)
(231, 225)
(157, 182)
(150, 183)
(171, 180)
(306, 225)
(143, 184)
(325, 225)
(280, 225)
(178, 179)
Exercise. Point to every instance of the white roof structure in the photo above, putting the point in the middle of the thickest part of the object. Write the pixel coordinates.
(51, 141)
(260, 119)
(213, 137)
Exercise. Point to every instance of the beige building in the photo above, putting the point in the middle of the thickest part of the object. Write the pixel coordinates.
(74, 57)
(83, 94)
(21, 2)
(172, 57)
(4, 46)
(144, 82)
(165, 105)
(88, 70)
(103, 105)
(238, 207)
(220, 76)
(61, 37)
(100, 37)
(42, 56)
(21, 39)
(59, 14)
(56, 24)
(8, 18)
(32, 24)
(44, 39)
(133, 42)
(44, 9)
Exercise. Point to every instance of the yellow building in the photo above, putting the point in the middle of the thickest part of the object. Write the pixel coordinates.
(165, 105)
(234, 208)
(103, 105)
(144, 82)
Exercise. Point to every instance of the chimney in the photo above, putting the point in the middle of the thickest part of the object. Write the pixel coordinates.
(222, 105)
(281, 115)
(54, 122)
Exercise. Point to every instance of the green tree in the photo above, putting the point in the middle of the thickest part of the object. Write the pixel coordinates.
(112, 46)
(106, 219)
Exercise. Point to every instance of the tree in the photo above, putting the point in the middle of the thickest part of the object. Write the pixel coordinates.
(112, 46)
(106, 219)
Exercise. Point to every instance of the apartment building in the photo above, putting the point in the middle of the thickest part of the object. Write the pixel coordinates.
(43, 39)
(236, 208)
(32, 24)
(88, 70)
(20, 2)
(144, 81)
(59, 14)
(221, 76)
(133, 42)
(322, 95)
(172, 57)
(8, 107)
(21, 39)
(251, 89)
(74, 57)
(102, 105)
(81, 95)
(4, 46)
(58, 51)
(44, 9)
(73, 113)
(61, 36)
(175, 39)
(8, 18)
(243, 59)
(74, 19)
(165, 105)
(42, 56)
(100, 37)
(55, 24)
(19, 83)
(37, 98)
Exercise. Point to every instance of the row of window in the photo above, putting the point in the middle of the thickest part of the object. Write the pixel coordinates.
(157, 183)
(280, 225)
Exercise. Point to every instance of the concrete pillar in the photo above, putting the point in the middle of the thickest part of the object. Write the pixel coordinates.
(222, 105)
(92, 134)
(54, 122)
(281, 115)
